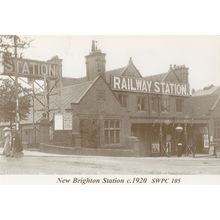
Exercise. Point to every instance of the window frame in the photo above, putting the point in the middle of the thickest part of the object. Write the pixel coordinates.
(142, 103)
(123, 99)
(167, 104)
(109, 130)
(217, 129)
(154, 104)
(178, 108)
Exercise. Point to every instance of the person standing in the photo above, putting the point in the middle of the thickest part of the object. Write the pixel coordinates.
(17, 149)
(7, 143)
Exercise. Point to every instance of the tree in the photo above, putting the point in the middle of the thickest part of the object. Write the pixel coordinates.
(8, 101)
(10, 43)
(11, 91)
(90, 130)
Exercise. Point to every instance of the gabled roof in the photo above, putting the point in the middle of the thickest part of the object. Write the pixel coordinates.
(69, 94)
(205, 101)
(74, 93)
(201, 105)
(161, 77)
(217, 101)
(116, 72)
(157, 77)
(66, 81)
(207, 91)
(121, 71)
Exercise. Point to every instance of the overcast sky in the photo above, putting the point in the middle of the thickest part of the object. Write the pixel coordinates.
(151, 54)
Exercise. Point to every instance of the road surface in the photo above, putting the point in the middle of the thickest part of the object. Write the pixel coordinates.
(42, 163)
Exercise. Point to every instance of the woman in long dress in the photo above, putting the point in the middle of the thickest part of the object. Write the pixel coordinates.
(7, 144)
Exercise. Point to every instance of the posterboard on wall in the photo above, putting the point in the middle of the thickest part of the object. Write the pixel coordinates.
(155, 147)
(63, 121)
(58, 122)
(206, 140)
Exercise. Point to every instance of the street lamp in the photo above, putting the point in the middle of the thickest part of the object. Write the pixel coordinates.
(179, 130)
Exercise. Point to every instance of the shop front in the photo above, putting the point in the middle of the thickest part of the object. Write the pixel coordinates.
(171, 139)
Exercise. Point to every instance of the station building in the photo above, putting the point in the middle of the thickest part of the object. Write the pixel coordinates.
(110, 108)
(205, 104)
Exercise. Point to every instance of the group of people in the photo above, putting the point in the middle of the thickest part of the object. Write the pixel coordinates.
(12, 143)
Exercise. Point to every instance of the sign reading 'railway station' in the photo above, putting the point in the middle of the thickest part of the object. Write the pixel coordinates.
(147, 86)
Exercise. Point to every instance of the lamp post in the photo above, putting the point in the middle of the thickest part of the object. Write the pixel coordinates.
(179, 130)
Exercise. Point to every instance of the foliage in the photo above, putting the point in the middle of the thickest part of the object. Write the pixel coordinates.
(90, 130)
(8, 101)
(7, 44)
(11, 46)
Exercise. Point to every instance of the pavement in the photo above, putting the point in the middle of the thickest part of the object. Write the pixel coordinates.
(34, 162)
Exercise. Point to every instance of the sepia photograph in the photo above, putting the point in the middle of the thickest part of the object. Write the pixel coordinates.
(109, 109)
(109, 105)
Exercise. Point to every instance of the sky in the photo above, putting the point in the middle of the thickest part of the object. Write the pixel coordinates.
(151, 54)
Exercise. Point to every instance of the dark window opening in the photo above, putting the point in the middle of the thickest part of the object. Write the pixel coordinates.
(154, 104)
(165, 104)
(179, 105)
(123, 99)
(140, 103)
(217, 129)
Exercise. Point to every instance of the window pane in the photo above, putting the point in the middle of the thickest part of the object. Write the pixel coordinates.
(106, 137)
(154, 104)
(112, 131)
(117, 136)
(217, 129)
(111, 124)
(111, 137)
(165, 104)
(179, 105)
(117, 123)
(140, 103)
(123, 100)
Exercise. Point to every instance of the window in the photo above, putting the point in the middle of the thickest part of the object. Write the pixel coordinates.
(165, 104)
(112, 131)
(217, 129)
(154, 104)
(179, 105)
(140, 103)
(123, 99)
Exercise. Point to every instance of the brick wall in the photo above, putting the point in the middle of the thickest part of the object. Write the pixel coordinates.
(100, 103)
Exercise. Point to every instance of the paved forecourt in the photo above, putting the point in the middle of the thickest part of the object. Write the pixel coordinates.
(41, 163)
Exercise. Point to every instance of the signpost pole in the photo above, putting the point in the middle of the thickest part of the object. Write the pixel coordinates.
(16, 86)
(17, 118)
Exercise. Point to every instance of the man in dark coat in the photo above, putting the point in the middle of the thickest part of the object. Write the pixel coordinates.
(17, 149)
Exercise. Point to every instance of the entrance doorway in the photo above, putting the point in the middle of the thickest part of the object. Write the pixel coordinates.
(143, 133)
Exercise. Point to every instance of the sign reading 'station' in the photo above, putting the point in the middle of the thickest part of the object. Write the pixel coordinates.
(29, 68)
(147, 86)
